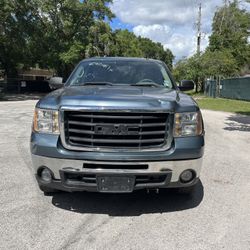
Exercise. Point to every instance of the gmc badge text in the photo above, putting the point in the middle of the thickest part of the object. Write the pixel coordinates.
(117, 125)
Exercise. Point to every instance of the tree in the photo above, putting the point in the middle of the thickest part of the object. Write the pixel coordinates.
(101, 40)
(156, 51)
(228, 51)
(211, 63)
(190, 69)
(127, 44)
(230, 31)
(53, 34)
(57, 34)
(17, 21)
(66, 25)
(219, 63)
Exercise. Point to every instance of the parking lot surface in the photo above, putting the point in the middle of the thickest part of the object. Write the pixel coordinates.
(216, 217)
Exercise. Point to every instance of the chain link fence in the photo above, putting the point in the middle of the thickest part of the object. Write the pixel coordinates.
(235, 88)
(18, 85)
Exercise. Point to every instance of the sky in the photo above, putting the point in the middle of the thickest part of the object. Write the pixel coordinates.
(170, 22)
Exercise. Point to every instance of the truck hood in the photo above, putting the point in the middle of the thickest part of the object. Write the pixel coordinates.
(119, 97)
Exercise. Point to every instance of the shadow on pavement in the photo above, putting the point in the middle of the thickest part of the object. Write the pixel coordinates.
(243, 112)
(238, 123)
(133, 204)
(22, 97)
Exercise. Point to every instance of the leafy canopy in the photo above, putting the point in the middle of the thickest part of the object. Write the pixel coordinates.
(228, 52)
(57, 34)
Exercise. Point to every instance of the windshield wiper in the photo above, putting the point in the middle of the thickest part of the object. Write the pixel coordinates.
(95, 83)
(146, 84)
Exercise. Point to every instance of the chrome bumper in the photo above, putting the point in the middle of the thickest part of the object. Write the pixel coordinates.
(176, 167)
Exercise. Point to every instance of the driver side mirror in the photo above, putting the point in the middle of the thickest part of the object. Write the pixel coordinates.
(56, 82)
(186, 85)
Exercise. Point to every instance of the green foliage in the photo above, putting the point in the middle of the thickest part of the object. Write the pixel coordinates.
(67, 27)
(190, 68)
(156, 51)
(220, 62)
(210, 63)
(230, 31)
(228, 52)
(18, 20)
(53, 34)
(127, 44)
(57, 34)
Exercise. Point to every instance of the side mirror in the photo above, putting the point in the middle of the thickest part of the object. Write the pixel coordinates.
(186, 85)
(56, 82)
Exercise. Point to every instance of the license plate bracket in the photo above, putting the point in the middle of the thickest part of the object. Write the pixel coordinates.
(115, 184)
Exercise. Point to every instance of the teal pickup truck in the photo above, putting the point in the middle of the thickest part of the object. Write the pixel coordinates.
(117, 125)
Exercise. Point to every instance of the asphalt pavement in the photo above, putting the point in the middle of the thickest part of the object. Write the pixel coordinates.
(216, 217)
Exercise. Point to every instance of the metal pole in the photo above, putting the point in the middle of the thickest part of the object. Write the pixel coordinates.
(199, 31)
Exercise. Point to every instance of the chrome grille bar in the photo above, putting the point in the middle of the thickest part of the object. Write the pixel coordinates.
(115, 131)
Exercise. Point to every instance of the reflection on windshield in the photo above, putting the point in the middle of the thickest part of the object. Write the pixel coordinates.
(120, 72)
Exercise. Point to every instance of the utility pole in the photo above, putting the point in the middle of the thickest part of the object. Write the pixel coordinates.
(198, 45)
(199, 31)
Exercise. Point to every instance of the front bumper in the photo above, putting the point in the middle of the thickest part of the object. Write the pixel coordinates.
(157, 174)
(185, 153)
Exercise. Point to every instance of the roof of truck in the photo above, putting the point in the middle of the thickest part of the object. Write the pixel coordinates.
(121, 59)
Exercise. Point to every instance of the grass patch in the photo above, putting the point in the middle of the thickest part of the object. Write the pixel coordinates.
(193, 93)
(227, 105)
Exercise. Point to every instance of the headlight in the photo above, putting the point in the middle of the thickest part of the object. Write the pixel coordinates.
(46, 121)
(188, 124)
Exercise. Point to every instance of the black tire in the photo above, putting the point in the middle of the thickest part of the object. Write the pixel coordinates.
(47, 190)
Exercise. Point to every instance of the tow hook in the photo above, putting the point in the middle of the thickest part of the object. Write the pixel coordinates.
(156, 190)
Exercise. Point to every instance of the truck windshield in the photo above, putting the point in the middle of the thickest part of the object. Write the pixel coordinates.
(111, 72)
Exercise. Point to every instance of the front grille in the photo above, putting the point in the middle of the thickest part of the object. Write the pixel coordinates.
(115, 130)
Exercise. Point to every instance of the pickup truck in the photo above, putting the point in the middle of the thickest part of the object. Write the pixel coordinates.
(117, 125)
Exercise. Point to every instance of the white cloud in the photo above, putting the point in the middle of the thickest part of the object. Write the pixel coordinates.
(144, 12)
(181, 45)
(171, 23)
(159, 33)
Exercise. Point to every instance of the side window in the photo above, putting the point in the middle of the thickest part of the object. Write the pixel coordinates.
(78, 76)
(167, 82)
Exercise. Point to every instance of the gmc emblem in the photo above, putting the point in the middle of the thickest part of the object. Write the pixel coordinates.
(116, 129)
